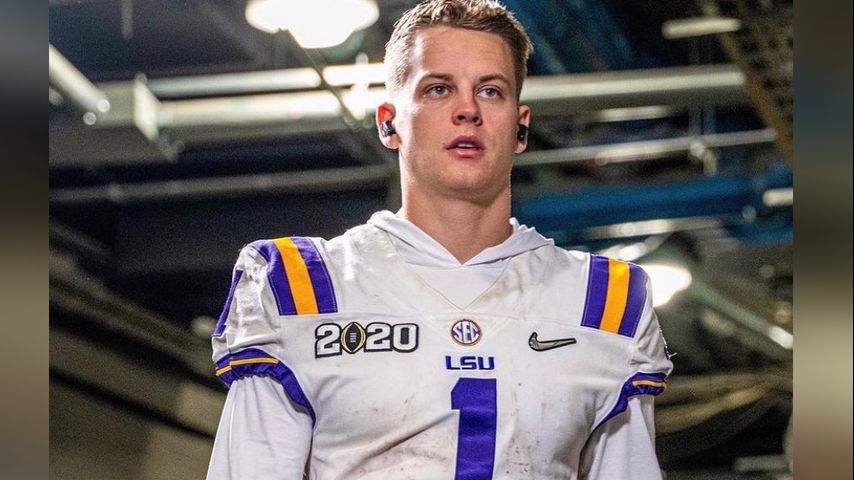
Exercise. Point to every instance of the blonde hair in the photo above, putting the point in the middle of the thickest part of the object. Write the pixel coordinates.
(487, 16)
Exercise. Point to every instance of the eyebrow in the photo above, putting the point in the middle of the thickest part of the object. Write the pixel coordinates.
(494, 76)
(436, 76)
(448, 78)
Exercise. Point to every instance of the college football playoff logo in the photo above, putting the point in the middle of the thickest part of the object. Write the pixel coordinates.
(331, 339)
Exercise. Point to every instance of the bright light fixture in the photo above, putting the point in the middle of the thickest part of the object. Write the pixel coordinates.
(314, 23)
(666, 280)
(699, 26)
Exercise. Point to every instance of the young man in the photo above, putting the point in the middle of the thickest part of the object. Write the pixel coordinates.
(445, 341)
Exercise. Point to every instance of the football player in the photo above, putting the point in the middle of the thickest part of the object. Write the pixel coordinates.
(446, 340)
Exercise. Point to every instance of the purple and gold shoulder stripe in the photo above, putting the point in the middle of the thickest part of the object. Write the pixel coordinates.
(638, 384)
(616, 293)
(298, 276)
(256, 362)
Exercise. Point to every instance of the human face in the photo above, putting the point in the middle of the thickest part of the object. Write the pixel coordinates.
(456, 115)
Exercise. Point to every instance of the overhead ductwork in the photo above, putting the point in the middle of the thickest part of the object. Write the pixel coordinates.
(147, 129)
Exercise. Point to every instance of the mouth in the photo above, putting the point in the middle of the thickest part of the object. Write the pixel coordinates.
(466, 146)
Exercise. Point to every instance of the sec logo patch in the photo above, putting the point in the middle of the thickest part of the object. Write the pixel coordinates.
(466, 332)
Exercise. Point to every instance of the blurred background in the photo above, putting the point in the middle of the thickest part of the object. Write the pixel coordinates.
(182, 130)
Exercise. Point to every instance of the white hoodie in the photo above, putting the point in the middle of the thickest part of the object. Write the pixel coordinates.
(460, 283)
(258, 412)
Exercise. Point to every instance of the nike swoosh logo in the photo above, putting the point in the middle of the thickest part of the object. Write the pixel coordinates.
(542, 346)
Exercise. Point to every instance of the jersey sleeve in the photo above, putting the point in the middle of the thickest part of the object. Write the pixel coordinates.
(246, 320)
(262, 434)
(623, 443)
(248, 339)
(649, 363)
(623, 447)
(650, 350)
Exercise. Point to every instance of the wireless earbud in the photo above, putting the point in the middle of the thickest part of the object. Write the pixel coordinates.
(387, 128)
(522, 133)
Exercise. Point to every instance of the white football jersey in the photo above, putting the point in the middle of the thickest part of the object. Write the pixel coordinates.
(401, 383)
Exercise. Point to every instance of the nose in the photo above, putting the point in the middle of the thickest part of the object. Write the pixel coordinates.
(467, 111)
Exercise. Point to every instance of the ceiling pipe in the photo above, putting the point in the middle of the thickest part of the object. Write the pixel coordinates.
(765, 336)
(78, 293)
(266, 81)
(204, 120)
(244, 111)
(627, 82)
(643, 150)
(74, 87)
(353, 178)
(321, 180)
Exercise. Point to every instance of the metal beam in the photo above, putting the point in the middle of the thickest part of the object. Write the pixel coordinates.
(242, 83)
(232, 118)
(78, 243)
(266, 81)
(354, 178)
(78, 293)
(128, 133)
(306, 181)
(593, 86)
(760, 333)
(564, 95)
(643, 150)
(279, 115)
(74, 86)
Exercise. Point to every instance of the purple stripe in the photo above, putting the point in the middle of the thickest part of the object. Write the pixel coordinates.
(220, 324)
(635, 301)
(320, 281)
(597, 292)
(630, 390)
(276, 273)
(284, 375)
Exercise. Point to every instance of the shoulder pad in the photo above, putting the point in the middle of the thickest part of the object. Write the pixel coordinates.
(616, 295)
(298, 276)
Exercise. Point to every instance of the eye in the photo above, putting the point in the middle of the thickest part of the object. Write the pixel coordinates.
(490, 92)
(437, 90)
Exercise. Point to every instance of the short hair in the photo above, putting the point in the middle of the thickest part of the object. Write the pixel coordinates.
(488, 16)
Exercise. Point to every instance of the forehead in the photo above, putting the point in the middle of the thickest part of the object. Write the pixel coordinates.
(459, 52)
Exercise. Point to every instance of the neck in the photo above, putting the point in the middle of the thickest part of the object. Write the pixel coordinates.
(463, 227)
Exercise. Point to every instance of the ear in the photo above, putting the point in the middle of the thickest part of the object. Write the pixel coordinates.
(524, 118)
(386, 113)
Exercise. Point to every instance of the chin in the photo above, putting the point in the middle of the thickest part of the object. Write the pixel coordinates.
(474, 189)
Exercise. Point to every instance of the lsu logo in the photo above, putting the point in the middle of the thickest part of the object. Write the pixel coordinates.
(469, 362)
(331, 339)
(466, 332)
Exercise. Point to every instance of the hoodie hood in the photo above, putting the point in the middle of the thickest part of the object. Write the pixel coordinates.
(418, 248)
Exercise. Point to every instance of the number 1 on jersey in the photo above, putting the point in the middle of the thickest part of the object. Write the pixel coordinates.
(475, 398)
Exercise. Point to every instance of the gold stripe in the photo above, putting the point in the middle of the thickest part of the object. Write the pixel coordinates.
(651, 383)
(618, 292)
(298, 277)
(245, 361)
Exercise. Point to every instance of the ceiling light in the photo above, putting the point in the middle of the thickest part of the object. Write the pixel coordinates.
(778, 197)
(666, 280)
(313, 23)
(699, 26)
